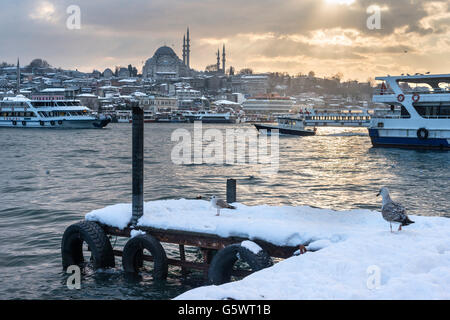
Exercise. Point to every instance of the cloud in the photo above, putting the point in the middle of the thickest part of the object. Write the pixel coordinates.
(44, 11)
(267, 35)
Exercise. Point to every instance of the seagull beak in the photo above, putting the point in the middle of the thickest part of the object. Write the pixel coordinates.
(378, 194)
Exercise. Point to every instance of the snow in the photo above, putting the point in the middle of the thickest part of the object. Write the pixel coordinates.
(355, 248)
(250, 245)
(135, 233)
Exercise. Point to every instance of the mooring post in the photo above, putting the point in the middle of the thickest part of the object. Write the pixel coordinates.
(231, 191)
(138, 163)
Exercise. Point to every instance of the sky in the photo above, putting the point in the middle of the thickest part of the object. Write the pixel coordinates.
(294, 36)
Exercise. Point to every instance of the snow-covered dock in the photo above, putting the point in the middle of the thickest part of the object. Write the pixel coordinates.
(356, 257)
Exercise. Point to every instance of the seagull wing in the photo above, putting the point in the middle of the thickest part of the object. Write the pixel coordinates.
(394, 212)
(223, 204)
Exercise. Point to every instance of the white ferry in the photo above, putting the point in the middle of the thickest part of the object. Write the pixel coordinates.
(419, 114)
(208, 117)
(21, 112)
(288, 125)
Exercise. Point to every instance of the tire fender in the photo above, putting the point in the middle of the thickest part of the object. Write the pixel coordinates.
(222, 264)
(96, 239)
(133, 253)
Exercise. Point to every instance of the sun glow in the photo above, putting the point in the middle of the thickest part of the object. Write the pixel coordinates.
(347, 2)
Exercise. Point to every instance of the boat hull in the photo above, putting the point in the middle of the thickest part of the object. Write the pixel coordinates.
(57, 124)
(407, 142)
(292, 132)
(229, 121)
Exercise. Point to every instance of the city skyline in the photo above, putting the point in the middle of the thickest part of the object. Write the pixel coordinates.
(324, 36)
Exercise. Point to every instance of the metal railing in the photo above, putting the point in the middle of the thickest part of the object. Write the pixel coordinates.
(386, 92)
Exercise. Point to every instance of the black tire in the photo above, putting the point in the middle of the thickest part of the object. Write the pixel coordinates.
(52, 123)
(133, 252)
(92, 234)
(422, 134)
(24, 123)
(42, 123)
(222, 264)
(14, 123)
(60, 122)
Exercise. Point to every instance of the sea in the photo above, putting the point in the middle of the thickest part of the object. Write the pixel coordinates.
(49, 179)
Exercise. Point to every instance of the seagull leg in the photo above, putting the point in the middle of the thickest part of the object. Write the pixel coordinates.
(390, 223)
(218, 212)
(400, 228)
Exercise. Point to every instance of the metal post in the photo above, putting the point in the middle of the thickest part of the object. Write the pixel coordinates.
(138, 164)
(231, 191)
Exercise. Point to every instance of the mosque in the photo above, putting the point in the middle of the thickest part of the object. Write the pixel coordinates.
(166, 65)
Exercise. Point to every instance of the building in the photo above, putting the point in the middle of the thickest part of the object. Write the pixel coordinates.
(268, 104)
(157, 104)
(255, 84)
(108, 73)
(89, 100)
(165, 65)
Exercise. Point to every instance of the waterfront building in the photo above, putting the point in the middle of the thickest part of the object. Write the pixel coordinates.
(268, 104)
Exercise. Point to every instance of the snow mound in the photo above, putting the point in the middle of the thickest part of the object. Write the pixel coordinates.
(289, 226)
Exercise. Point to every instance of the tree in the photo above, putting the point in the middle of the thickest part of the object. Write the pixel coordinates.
(5, 64)
(211, 68)
(246, 71)
(311, 74)
(39, 63)
(231, 71)
(338, 76)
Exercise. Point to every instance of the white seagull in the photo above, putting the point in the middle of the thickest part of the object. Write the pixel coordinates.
(392, 211)
(220, 204)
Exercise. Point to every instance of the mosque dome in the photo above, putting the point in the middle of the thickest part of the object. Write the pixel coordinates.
(165, 51)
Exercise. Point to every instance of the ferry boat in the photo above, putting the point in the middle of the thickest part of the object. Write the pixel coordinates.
(124, 116)
(21, 112)
(288, 125)
(418, 114)
(207, 117)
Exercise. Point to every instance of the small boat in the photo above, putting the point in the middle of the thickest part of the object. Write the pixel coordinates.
(288, 125)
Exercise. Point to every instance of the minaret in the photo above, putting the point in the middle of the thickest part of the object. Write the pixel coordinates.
(218, 60)
(224, 59)
(18, 76)
(188, 50)
(184, 49)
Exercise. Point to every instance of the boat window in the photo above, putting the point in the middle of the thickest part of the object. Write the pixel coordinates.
(404, 113)
(433, 111)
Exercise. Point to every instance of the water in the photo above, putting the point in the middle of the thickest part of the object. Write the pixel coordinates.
(50, 179)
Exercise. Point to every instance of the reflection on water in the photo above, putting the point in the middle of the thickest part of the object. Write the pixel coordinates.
(50, 179)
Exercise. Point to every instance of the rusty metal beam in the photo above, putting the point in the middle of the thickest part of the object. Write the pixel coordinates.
(202, 240)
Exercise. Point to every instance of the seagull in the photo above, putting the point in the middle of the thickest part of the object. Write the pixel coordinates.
(392, 211)
(220, 204)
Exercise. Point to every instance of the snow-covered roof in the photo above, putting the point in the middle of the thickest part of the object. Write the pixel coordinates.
(226, 102)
